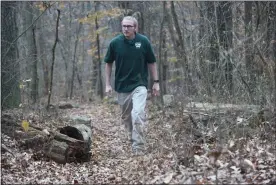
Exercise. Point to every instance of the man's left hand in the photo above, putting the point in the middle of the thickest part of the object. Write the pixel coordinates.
(156, 89)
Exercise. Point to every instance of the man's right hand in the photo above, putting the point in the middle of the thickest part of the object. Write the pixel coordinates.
(108, 90)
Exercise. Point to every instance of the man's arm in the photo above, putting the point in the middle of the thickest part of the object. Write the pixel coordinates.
(108, 69)
(153, 69)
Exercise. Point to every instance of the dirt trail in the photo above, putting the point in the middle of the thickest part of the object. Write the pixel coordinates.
(112, 160)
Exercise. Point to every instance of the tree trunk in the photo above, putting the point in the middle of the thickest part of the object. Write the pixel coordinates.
(141, 23)
(213, 50)
(100, 83)
(177, 27)
(34, 92)
(94, 61)
(203, 75)
(74, 69)
(269, 27)
(248, 46)
(182, 55)
(271, 45)
(44, 62)
(10, 92)
(161, 42)
(224, 23)
(97, 73)
(27, 49)
(208, 52)
(178, 42)
(175, 43)
(164, 65)
(53, 61)
(30, 18)
(68, 54)
(273, 49)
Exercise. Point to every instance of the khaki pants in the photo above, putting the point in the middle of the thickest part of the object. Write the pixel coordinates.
(133, 115)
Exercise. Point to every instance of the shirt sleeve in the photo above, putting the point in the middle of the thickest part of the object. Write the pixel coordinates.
(109, 57)
(150, 57)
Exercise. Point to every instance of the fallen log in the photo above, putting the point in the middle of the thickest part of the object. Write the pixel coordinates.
(64, 145)
(65, 106)
(73, 143)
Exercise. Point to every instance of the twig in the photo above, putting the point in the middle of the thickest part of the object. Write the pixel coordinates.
(216, 175)
(261, 56)
(192, 120)
(200, 113)
(7, 149)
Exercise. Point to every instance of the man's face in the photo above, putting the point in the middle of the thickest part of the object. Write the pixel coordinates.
(128, 29)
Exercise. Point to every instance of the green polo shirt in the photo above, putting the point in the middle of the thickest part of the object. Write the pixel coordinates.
(131, 58)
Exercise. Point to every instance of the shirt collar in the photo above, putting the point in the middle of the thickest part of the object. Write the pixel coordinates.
(132, 41)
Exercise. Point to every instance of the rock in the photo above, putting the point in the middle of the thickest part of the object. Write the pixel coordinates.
(65, 106)
(168, 100)
(81, 120)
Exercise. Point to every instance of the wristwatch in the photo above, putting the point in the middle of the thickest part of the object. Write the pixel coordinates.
(156, 81)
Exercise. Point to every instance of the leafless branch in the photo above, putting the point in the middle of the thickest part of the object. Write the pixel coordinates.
(26, 30)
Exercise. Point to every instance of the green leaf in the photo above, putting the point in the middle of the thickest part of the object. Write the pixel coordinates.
(25, 125)
(172, 59)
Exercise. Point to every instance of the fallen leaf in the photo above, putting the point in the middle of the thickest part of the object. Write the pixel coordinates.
(235, 170)
(197, 158)
(168, 178)
(213, 156)
(249, 163)
(25, 125)
(24, 163)
(239, 120)
(219, 164)
(231, 143)
(155, 179)
(266, 181)
(212, 177)
(46, 131)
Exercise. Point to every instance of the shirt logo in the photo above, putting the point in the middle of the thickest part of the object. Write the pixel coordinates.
(138, 44)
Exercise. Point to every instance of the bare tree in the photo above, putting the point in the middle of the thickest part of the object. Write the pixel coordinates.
(74, 60)
(225, 24)
(53, 60)
(10, 92)
(209, 50)
(273, 48)
(161, 44)
(248, 46)
(99, 81)
(200, 52)
(34, 91)
(42, 52)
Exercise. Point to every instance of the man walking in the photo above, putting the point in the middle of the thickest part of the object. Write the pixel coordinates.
(133, 56)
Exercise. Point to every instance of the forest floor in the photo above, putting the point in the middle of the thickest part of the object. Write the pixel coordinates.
(177, 153)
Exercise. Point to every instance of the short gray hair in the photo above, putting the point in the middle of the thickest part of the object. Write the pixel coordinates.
(131, 18)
